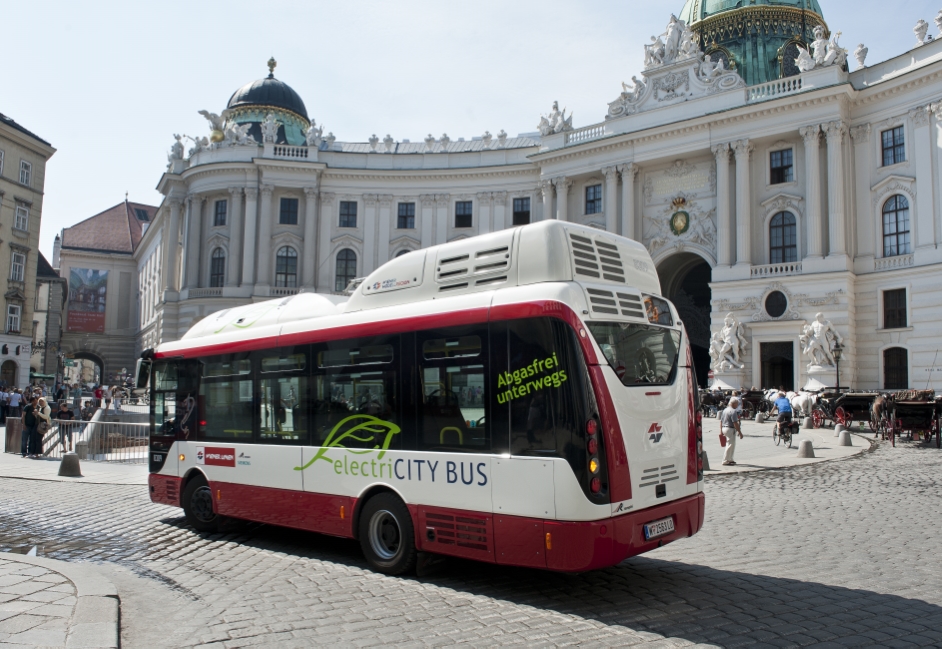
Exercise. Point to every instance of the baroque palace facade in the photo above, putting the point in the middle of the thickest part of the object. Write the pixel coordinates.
(766, 179)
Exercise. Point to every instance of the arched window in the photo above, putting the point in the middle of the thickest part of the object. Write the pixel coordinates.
(346, 269)
(286, 267)
(783, 240)
(895, 368)
(217, 268)
(404, 251)
(896, 226)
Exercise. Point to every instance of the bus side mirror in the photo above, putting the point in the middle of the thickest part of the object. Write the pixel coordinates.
(142, 374)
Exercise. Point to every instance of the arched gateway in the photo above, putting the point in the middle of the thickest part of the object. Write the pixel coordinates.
(685, 281)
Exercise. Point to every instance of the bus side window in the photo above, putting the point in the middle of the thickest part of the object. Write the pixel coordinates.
(283, 397)
(453, 397)
(540, 386)
(225, 399)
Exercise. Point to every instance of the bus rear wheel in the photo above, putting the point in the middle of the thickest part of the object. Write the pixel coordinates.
(386, 535)
(198, 506)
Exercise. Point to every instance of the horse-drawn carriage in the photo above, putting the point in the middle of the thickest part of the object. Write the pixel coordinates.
(843, 408)
(754, 401)
(913, 412)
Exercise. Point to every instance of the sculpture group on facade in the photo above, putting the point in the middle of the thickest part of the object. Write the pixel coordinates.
(823, 53)
(817, 340)
(555, 122)
(728, 345)
(677, 43)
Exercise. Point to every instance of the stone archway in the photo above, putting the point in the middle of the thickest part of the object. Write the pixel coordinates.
(685, 281)
(89, 368)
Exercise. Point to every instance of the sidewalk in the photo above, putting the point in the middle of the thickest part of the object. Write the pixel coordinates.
(756, 450)
(49, 603)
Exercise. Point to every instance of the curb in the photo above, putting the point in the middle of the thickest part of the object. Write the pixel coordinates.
(96, 620)
(868, 447)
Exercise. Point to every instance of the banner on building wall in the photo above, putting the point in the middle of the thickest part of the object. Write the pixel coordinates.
(87, 293)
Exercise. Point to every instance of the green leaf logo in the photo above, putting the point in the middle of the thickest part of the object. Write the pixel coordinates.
(365, 429)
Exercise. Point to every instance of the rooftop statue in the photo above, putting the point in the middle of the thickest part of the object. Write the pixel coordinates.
(861, 55)
(270, 128)
(555, 122)
(920, 30)
(314, 134)
(217, 124)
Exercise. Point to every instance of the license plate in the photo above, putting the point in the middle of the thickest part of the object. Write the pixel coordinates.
(658, 528)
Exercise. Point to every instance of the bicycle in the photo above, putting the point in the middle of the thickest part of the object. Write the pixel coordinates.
(784, 434)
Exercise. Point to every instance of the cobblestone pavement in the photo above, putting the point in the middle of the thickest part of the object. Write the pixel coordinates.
(840, 553)
(35, 606)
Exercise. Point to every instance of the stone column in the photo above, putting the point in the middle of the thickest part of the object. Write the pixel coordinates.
(234, 261)
(171, 241)
(264, 236)
(562, 197)
(628, 172)
(426, 220)
(383, 237)
(325, 263)
(442, 203)
(611, 199)
(742, 149)
(811, 137)
(484, 212)
(251, 228)
(724, 219)
(309, 256)
(193, 244)
(864, 233)
(922, 159)
(546, 189)
(370, 223)
(499, 214)
(835, 136)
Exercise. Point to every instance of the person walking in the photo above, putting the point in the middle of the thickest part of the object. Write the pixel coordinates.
(116, 393)
(30, 422)
(65, 417)
(44, 413)
(729, 422)
(15, 399)
(98, 394)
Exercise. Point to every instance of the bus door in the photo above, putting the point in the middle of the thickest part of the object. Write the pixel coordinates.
(173, 411)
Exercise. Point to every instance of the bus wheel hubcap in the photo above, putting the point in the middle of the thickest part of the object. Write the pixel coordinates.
(202, 503)
(384, 534)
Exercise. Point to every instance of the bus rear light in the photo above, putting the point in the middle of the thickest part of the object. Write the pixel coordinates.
(592, 426)
(595, 485)
(594, 465)
(203, 422)
(342, 512)
(549, 541)
(592, 446)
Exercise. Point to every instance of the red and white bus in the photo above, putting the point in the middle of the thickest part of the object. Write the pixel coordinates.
(523, 397)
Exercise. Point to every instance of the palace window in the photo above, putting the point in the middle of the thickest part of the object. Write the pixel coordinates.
(13, 318)
(26, 172)
(463, 214)
(18, 267)
(289, 211)
(783, 240)
(521, 211)
(406, 219)
(286, 267)
(404, 251)
(217, 268)
(348, 214)
(896, 226)
(346, 269)
(895, 368)
(894, 309)
(782, 166)
(219, 218)
(893, 149)
(22, 218)
(593, 199)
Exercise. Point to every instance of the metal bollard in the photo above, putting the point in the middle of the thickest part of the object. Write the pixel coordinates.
(69, 466)
(806, 449)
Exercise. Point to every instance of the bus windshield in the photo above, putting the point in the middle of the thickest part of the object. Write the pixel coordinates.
(639, 354)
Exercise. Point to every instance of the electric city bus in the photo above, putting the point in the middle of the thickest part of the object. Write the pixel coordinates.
(524, 397)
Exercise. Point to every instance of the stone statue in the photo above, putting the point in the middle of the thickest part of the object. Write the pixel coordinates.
(486, 138)
(805, 61)
(374, 142)
(710, 69)
(330, 139)
(920, 30)
(861, 55)
(555, 122)
(654, 53)
(238, 134)
(217, 124)
(820, 45)
(199, 143)
(688, 44)
(176, 151)
(445, 141)
(314, 135)
(836, 55)
(430, 142)
(270, 129)
(734, 341)
(938, 21)
(721, 354)
(816, 340)
(502, 138)
(674, 33)
(389, 143)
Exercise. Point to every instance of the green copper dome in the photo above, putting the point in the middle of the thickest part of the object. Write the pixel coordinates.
(759, 38)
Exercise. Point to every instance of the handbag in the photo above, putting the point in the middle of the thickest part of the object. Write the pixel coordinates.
(43, 426)
(722, 440)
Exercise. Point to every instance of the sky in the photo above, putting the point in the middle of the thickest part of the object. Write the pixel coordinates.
(109, 83)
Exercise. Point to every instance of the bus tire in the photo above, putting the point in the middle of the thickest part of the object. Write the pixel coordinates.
(386, 535)
(198, 506)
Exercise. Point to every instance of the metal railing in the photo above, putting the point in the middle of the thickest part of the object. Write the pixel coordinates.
(99, 441)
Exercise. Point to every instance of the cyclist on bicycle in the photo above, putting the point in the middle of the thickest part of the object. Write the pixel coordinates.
(784, 407)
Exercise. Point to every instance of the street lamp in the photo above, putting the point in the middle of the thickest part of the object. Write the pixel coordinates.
(837, 349)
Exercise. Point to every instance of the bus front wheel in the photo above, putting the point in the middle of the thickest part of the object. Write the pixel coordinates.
(386, 535)
(198, 506)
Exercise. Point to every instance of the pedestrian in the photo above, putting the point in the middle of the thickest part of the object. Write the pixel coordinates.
(4, 404)
(98, 395)
(729, 422)
(44, 413)
(116, 395)
(106, 391)
(65, 417)
(60, 391)
(15, 400)
(30, 422)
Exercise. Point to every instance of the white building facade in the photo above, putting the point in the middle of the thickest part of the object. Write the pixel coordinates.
(813, 193)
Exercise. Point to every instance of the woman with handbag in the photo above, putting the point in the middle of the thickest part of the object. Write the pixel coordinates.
(44, 416)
